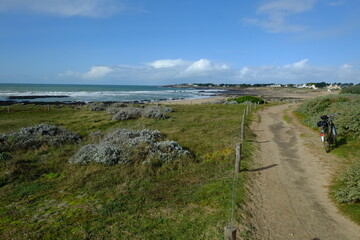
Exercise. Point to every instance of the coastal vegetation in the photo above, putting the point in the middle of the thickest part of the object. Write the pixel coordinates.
(353, 89)
(246, 99)
(43, 195)
(346, 186)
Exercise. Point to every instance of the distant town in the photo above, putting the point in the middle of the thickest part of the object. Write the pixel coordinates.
(311, 85)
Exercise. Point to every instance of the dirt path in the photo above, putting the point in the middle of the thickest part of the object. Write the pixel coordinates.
(290, 184)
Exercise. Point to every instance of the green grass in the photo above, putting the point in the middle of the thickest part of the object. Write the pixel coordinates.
(286, 117)
(44, 197)
(351, 210)
(348, 149)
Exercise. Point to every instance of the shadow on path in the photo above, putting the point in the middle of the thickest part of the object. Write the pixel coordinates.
(259, 169)
(258, 141)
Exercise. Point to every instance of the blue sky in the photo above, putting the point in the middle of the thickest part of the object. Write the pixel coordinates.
(170, 41)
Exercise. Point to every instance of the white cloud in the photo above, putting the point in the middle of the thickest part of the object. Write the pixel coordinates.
(298, 65)
(285, 6)
(205, 65)
(273, 15)
(337, 3)
(244, 71)
(167, 63)
(66, 8)
(171, 71)
(98, 72)
(299, 72)
(346, 66)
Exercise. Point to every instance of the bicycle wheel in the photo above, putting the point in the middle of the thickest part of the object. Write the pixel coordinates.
(333, 135)
(327, 145)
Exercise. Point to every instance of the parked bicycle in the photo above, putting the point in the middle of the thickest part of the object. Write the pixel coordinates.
(328, 131)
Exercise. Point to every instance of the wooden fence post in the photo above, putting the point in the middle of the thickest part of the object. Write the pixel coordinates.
(242, 127)
(8, 109)
(238, 157)
(230, 232)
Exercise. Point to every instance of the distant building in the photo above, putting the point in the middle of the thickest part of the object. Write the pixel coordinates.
(275, 85)
(307, 86)
(333, 87)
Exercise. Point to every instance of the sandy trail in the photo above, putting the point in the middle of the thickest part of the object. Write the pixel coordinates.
(290, 185)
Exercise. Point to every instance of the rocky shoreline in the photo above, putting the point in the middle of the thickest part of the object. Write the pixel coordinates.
(11, 102)
(37, 96)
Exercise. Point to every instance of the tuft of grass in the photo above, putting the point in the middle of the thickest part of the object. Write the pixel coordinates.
(287, 118)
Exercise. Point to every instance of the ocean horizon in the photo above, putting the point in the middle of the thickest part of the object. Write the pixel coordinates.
(97, 93)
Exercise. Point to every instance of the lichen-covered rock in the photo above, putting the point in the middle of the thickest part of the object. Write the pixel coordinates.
(36, 136)
(127, 113)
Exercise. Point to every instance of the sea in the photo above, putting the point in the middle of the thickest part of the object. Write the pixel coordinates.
(98, 93)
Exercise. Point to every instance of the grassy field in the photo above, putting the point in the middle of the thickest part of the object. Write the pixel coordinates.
(42, 196)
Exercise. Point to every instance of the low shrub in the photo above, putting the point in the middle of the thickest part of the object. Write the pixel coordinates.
(36, 136)
(347, 105)
(352, 90)
(349, 189)
(244, 99)
(128, 137)
(125, 146)
(99, 153)
(97, 106)
(155, 112)
(166, 151)
(4, 156)
(126, 113)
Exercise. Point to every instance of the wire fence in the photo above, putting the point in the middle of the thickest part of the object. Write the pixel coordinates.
(231, 231)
